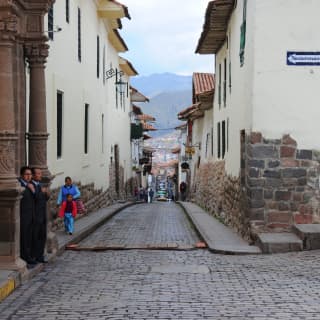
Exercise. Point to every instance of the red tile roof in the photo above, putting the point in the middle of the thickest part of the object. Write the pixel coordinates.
(146, 136)
(215, 26)
(148, 127)
(192, 112)
(203, 83)
(125, 8)
(116, 32)
(145, 117)
(181, 126)
(130, 66)
(176, 150)
(136, 109)
(140, 96)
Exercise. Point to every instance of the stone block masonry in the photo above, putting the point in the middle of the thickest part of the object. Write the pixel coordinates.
(277, 188)
(222, 196)
(282, 183)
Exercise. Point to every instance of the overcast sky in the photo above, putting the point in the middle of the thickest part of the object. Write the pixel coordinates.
(162, 36)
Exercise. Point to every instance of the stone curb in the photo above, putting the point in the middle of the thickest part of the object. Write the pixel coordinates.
(77, 237)
(10, 280)
(231, 248)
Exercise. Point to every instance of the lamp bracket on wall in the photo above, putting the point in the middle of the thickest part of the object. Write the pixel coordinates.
(113, 72)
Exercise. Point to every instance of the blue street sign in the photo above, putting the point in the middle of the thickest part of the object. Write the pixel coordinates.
(303, 58)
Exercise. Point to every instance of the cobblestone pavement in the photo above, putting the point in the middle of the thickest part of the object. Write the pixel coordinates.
(158, 284)
(146, 224)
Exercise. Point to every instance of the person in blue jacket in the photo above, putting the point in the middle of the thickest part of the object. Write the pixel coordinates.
(68, 188)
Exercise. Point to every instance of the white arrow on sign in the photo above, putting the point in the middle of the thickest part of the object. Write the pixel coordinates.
(304, 58)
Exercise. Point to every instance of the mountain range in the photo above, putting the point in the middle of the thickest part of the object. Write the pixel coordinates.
(168, 93)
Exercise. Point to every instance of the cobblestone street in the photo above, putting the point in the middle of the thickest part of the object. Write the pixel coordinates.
(167, 284)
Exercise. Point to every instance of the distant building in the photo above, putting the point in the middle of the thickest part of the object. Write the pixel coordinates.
(198, 142)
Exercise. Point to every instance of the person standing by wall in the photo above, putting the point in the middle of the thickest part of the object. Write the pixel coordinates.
(183, 191)
(40, 221)
(27, 214)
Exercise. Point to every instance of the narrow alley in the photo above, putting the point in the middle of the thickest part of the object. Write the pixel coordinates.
(172, 284)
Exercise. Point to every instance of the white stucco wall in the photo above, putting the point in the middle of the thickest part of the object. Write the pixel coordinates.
(197, 133)
(206, 139)
(238, 109)
(80, 86)
(286, 98)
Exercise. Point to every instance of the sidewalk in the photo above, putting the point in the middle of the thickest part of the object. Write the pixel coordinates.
(219, 238)
(9, 279)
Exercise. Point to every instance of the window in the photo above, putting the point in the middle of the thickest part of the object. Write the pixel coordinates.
(223, 129)
(98, 57)
(225, 82)
(102, 133)
(229, 64)
(79, 35)
(243, 33)
(86, 127)
(227, 134)
(207, 143)
(230, 77)
(59, 123)
(218, 140)
(211, 141)
(104, 65)
(50, 23)
(68, 11)
(219, 89)
(117, 88)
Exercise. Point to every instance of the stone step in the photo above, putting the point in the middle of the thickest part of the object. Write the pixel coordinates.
(279, 242)
(309, 234)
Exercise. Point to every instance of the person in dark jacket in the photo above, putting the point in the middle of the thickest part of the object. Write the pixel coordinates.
(183, 191)
(151, 194)
(27, 213)
(40, 221)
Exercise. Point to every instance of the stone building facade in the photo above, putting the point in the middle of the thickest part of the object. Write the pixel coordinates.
(22, 43)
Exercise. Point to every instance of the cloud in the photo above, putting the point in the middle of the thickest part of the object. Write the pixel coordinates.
(162, 36)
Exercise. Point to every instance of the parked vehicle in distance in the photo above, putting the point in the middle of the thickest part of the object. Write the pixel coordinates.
(161, 195)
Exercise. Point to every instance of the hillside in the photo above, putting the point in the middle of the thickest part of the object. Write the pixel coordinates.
(168, 94)
(157, 83)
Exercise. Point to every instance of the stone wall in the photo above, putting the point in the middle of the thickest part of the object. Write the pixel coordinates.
(282, 183)
(222, 196)
(93, 198)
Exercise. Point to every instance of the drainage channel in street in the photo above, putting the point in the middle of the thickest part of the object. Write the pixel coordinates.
(165, 246)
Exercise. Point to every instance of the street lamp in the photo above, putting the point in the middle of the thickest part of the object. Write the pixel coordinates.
(121, 85)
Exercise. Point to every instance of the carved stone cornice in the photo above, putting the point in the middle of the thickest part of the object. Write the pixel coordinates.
(8, 26)
(36, 52)
(34, 5)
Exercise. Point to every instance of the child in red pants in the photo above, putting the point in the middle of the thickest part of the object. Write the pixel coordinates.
(68, 211)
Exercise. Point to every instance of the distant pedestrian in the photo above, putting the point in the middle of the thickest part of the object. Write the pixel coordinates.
(183, 191)
(68, 188)
(68, 211)
(136, 193)
(40, 221)
(141, 193)
(151, 194)
(27, 215)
